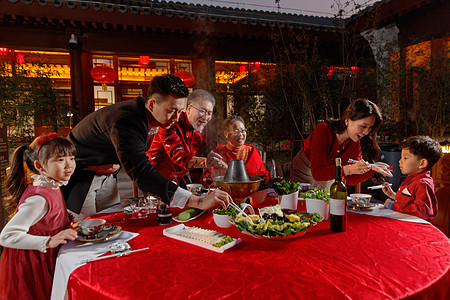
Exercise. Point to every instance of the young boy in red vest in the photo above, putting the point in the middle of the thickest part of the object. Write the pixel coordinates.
(416, 195)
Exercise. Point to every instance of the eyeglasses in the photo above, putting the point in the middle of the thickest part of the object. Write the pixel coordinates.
(237, 132)
(203, 112)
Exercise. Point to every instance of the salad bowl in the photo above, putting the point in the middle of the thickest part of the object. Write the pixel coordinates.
(273, 223)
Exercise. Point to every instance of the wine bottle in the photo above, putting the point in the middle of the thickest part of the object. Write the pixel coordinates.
(338, 201)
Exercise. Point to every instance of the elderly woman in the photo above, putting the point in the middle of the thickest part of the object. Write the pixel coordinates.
(344, 138)
(236, 148)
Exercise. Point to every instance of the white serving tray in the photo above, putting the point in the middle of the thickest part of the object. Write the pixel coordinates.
(174, 232)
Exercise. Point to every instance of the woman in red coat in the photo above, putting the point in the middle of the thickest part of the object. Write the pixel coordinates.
(354, 133)
(236, 148)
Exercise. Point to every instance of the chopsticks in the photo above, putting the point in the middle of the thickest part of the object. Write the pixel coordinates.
(354, 161)
(375, 187)
(238, 208)
(220, 159)
(223, 163)
(116, 255)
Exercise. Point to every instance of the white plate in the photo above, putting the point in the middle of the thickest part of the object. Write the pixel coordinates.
(174, 232)
(108, 232)
(193, 218)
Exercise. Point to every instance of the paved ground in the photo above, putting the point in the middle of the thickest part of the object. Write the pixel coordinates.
(125, 186)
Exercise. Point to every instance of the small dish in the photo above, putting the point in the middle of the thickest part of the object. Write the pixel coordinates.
(107, 233)
(128, 210)
(354, 206)
(190, 219)
(304, 186)
(197, 189)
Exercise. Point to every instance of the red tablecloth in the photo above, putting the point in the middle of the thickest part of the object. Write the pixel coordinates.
(376, 258)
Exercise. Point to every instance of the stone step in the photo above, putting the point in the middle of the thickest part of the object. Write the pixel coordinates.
(125, 185)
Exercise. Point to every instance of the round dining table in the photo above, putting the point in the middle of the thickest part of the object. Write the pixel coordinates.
(375, 258)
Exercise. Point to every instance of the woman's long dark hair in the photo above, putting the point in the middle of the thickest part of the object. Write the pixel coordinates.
(360, 109)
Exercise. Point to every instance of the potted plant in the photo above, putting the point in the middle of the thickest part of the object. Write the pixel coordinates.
(287, 192)
(317, 201)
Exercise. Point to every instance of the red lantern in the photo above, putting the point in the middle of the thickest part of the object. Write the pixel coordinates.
(330, 72)
(188, 78)
(104, 75)
(4, 51)
(20, 58)
(144, 60)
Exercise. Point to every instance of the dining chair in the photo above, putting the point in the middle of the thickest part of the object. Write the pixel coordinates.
(442, 219)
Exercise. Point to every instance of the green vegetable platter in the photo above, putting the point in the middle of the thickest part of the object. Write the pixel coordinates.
(188, 215)
(276, 224)
(284, 187)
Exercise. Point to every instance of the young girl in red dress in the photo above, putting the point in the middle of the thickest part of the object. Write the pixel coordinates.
(41, 222)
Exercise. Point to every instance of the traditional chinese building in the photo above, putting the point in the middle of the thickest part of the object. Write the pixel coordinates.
(142, 39)
(411, 44)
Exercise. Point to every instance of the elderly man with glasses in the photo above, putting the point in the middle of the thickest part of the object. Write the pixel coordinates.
(173, 151)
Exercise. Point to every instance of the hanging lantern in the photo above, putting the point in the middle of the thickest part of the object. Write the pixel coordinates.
(144, 60)
(330, 72)
(20, 58)
(257, 64)
(188, 78)
(4, 51)
(242, 69)
(104, 75)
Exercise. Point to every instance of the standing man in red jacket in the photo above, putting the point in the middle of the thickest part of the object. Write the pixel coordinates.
(173, 151)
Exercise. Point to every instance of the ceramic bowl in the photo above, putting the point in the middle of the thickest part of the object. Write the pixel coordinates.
(361, 199)
(222, 221)
(304, 186)
(92, 226)
(197, 189)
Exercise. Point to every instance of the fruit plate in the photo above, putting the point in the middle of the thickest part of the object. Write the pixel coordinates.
(107, 233)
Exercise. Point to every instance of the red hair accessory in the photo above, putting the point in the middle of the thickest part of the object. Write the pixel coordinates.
(44, 140)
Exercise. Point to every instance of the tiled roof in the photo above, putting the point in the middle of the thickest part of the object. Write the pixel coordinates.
(201, 12)
(392, 7)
